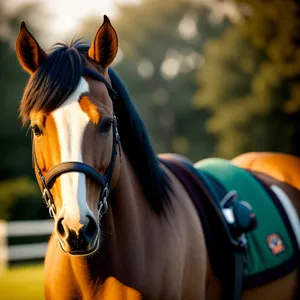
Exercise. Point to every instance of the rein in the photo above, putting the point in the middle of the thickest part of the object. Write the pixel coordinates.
(104, 181)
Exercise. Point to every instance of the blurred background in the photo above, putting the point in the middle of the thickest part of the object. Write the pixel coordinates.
(209, 78)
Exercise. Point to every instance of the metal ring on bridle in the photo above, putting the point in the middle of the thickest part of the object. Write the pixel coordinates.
(47, 199)
(52, 211)
(103, 203)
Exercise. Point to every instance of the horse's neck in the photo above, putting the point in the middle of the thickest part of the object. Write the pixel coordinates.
(127, 231)
(141, 249)
(124, 225)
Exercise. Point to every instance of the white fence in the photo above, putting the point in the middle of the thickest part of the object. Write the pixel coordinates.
(25, 251)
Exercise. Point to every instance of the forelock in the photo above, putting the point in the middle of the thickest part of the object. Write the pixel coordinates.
(55, 80)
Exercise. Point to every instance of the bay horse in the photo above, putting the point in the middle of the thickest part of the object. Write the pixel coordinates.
(125, 226)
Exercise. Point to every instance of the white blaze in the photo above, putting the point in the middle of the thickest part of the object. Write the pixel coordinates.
(71, 122)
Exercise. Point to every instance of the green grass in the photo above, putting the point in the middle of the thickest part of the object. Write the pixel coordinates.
(22, 283)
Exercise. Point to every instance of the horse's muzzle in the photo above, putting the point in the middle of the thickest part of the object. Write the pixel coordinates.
(83, 241)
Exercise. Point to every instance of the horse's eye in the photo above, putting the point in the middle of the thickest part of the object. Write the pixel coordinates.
(106, 126)
(36, 130)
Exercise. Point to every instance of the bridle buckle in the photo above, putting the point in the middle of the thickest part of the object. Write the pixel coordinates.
(50, 205)
(102, 206)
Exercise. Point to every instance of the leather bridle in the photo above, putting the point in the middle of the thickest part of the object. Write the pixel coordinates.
(47, 181)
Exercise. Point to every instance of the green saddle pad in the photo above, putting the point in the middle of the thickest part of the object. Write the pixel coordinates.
(269, 245)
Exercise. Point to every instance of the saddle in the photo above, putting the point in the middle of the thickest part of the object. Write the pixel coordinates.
(251, 254)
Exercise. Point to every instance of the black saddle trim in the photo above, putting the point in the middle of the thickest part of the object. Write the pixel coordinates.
(293, 262)
(220, 250)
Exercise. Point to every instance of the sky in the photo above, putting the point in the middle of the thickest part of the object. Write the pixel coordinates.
(80, 9)
(68, 13)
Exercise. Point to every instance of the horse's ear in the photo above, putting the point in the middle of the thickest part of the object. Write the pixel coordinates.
(105, 45)
(29, 53)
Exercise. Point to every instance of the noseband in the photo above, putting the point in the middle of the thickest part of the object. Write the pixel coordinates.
(104, 181)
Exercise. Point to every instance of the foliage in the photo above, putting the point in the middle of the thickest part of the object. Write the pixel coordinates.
(15, 156)
(244, 84)
(160, 55)
(20, 198)
(19, 194)
(169, 33)
(274, 26)
(250, 85)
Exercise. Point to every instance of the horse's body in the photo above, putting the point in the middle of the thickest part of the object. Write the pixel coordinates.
(165, 258)
(148, 249)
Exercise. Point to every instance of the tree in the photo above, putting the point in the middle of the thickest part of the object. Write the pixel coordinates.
(250, 86)
(19, 193)
(15, 155)
(161, 44)
(274, 27)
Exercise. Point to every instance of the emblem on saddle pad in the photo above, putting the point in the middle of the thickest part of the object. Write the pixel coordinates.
(275, 243)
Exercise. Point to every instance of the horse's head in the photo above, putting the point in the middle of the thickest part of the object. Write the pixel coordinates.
(68, 102)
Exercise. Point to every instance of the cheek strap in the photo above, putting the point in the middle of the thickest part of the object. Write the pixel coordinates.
(46, 182)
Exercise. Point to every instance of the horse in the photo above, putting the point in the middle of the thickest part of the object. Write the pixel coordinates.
(125, 224)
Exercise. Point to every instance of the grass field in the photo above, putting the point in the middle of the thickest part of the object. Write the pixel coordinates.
(22, 283)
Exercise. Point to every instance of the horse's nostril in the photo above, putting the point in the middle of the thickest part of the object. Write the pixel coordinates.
(91, 228)
(60, 227)
(76, 236)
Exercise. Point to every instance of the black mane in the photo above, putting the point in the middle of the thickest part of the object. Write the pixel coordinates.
(55, 80)
(136, 143)
(59, 76)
